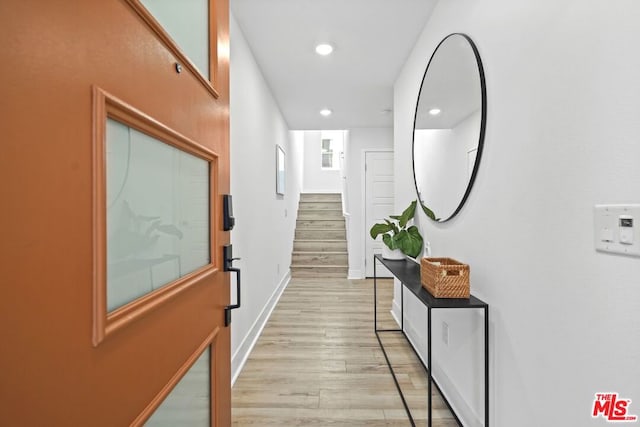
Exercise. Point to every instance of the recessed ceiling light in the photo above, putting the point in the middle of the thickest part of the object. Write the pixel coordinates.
(434, 111)
(324, 49)
(326, 112)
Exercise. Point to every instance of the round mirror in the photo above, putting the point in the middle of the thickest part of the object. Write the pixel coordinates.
(449, 125)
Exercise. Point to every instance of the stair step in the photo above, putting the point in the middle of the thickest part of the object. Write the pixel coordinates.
(320, 245)
(321, 197)
(319, 271)
(318, 214)
(320, 234)
(320, 205)
(319, 258)
(323, 224)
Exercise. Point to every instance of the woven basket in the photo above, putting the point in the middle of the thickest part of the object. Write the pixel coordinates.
(445, 277)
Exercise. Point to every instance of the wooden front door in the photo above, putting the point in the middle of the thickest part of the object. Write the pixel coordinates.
(114, 157)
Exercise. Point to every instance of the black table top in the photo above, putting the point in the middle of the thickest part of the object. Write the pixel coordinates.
(408, 272)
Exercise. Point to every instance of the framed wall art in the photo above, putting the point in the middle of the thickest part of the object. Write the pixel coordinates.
(280, 171)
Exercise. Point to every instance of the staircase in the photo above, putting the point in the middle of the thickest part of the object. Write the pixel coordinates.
(320, 245)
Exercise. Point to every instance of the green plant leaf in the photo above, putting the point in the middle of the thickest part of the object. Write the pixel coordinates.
(400, 236)
(414, 232)
(398, 239)
(379, 228)
(429, 212)
(389, 241)
(392, 226)
(407, 215)
(412, 243)
(396, 236)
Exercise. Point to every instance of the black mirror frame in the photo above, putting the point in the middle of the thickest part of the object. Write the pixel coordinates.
(483, 123)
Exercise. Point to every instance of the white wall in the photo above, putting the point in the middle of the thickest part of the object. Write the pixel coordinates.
(265, 222)
(316, 179)
(295, 161)
(562, 134)
(360, 139)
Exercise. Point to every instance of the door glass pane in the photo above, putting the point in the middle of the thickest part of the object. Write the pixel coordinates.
(327, 160)
(157, 213)
(189, 403)
(327, 154)
(187, 22)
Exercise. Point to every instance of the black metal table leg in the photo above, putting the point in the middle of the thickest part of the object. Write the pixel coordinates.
(401, 307)
(375, 296)
(486, 366)
(429, 365)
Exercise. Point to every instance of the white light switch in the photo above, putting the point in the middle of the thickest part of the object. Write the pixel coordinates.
(625, 224)
(616, 229)
(606, 235)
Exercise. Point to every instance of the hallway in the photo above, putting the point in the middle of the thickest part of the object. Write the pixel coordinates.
(318, 363)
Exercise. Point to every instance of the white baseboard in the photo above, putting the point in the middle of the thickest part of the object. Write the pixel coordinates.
(355, 274)
(414, 337)
(456, 400)
(395, 311)
(241, 355)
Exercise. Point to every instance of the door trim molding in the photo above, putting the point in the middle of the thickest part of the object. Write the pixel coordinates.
(106, 323)
(363, 201)
(209, 342)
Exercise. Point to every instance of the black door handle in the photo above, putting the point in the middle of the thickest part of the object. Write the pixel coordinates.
(228, 261)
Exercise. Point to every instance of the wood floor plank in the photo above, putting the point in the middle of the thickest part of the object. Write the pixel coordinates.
(318, 363)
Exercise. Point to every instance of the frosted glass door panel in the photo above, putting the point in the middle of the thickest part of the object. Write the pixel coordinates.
(157, 214)
(187, 22)
(189, 403)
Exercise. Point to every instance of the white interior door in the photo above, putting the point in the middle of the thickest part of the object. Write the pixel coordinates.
(379, 202)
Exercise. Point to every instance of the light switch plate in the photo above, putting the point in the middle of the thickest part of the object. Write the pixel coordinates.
(606, 234)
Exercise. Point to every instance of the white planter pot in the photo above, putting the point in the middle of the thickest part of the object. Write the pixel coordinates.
(395, 254)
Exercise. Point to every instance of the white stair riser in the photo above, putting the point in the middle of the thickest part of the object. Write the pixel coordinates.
(324, 224)
(320, 205)
(319, 246)
(320, 258)
(319, 272)
(320, 214)
(318, 197)
(320, 234)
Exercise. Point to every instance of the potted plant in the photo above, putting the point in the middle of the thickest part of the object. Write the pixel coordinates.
(399, 240)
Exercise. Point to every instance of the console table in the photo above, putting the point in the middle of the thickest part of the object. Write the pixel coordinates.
(408, 272)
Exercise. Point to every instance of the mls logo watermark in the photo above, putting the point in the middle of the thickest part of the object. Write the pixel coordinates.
(612, 408)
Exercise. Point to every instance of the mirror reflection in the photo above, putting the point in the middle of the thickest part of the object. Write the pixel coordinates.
(449, 126)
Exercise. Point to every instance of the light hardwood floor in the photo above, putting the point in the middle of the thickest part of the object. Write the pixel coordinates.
(318, 363)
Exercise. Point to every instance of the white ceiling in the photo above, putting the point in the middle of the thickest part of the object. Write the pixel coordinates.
(371, 39)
